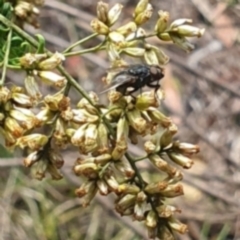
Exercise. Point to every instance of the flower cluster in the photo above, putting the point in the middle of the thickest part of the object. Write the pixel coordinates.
(27, 11)
(43, 125)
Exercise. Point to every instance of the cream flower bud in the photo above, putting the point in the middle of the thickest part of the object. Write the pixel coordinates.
(167, 136)
(149, 147)
(177, 225)
(33, 141)
(90, 134)
(56, 158)
(186, 149)
(189, 31)
(13, 127)
(164, 37)
(102, 139)
(151, 219)
(172, 191)
(140, 33)
(32, 87)
(141, 197)
(30, 60)
(180, 22)
(111, 182)
(45, 116)
(141, 7)
(114, 13)
(125, 202)
(103, 187)
(5, 94)
(162, 22)
(182, 42)
(86, 200)
(159, 117)
(153, 188)
(86, 169)
(102, 11)
(124, 167)
(83, 116)
(134, 51)
(112, 51)
(151, 57)
(139, 211)
(145, 100)
(22, 99)
(32, 158)
(127, 29)
(78, 137)
(40, 169)
(85, 188)
(143, 17)
(180, 159)
(165, 211)
(117, 38)
(154, 54)
(162, 165)
(103, 159)
(99, 27)
(52, 78)
(127, 188)
(51, 62)
(137, 121)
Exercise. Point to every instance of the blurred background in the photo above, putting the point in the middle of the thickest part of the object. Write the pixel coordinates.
(202, 96)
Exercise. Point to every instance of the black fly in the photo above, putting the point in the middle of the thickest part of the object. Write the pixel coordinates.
(135, 77)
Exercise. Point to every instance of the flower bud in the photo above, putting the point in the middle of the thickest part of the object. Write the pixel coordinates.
(124, 167)
(172, 191)
(141, 7)
(137, 121)
(165, 233)
(140, 33)
(151, 219)
(56, 158)
(86, 169)
(117, 38)
(159, 117)
(164, 37)
(150, 57)
(153, 188)
(186, 149)
(102, 139)
(182, 42)
(134, 51)
(125, 202)
(139, 211)
(165, 211)
(103, 159)
(33, 141)
(154, 54)
(85, 188)
(177, 225)
(141, 197)
(180, 22)
(189, 31)
(31, 60)
(32, 158)
(162, 164)
(83, 116)
(90, 134)
(89, 197)
(32, 88)
(51, 62)
(12, 126)
(5, 94)
(52, 78)
(102, 11)
(162, 22)
(103, 187)
(167, 136)
(143, 17)
(40, 169)
(78, 137)
(127, 29)
(149, 147)
(127, 188)
(22, 99)
(145, 100)
(54, 172)
(99, 27)
(152, 233)
(111, 182)
(114, 13)
(180, 159)
(112, 51)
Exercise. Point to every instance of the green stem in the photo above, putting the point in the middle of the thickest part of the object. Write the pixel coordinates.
(6, 57)
(80, 42)
(88, 50)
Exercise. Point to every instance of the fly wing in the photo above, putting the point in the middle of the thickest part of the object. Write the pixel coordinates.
(118, 80)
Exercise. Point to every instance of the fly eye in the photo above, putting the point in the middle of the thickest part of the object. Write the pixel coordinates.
(154, 70)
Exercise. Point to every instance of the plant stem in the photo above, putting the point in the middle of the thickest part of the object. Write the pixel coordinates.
(88, 50)
(6, 57)
(80, 42)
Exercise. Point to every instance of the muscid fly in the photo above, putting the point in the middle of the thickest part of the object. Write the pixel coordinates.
(135, 77)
